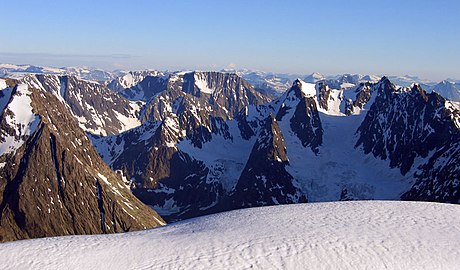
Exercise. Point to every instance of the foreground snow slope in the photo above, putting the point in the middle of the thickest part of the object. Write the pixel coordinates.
(339, 235)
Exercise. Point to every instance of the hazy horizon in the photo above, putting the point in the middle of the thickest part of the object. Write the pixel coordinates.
(236, 69)
(419, 38)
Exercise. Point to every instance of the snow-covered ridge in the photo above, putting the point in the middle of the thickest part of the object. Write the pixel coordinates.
(343, 235)
(308, 89)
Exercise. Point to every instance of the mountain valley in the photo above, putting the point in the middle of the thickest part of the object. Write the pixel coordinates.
(194, 143)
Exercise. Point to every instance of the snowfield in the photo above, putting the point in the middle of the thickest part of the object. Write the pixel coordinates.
(338, 235)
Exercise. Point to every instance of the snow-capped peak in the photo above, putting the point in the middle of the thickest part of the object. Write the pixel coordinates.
(314, 77)
(307, 88)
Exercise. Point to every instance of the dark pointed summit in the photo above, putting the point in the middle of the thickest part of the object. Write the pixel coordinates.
(264, 180)
(385, 86)
(55, 183)
(271, 139)
(297, 83)
(384, 81)
(296, 88)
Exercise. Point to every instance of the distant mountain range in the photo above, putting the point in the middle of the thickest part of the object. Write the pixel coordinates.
(78, 155)
(19, 71)
(270, 83)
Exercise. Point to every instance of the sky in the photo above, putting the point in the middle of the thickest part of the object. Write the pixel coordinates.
(286, 36)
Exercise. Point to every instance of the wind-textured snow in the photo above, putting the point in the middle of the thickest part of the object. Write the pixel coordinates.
(340, 235)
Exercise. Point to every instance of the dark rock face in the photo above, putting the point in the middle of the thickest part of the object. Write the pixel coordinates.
(185, 187)
(147, 159)
(199, 97)
(324, 93)
(162, 174)
(403, 125)
(209, 93)
(346, 195)
(264, 180)
(152, 85)
(56, 184)
(305, 121)
(194, 107)
(186, 112)
(245, 127)
(439, 180)
(306, 124)
(168, 178)
(363, 95)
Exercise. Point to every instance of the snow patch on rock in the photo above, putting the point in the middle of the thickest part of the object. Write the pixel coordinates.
(202, 85)
(19, 117)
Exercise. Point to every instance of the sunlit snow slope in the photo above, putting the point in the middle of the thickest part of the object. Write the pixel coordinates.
(339, 235)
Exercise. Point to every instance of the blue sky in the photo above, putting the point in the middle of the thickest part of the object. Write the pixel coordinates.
(380, 37)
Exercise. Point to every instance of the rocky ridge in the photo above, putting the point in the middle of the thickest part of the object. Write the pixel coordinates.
(220, 159)
(52, 181)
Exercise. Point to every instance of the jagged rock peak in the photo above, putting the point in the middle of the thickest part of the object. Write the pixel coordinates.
(297, 83)
(406, 119)
(301, 89)
(264, 180)
(52, 181)
(272, 140)
(98, 109)
(385, 87)
(296, 89)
